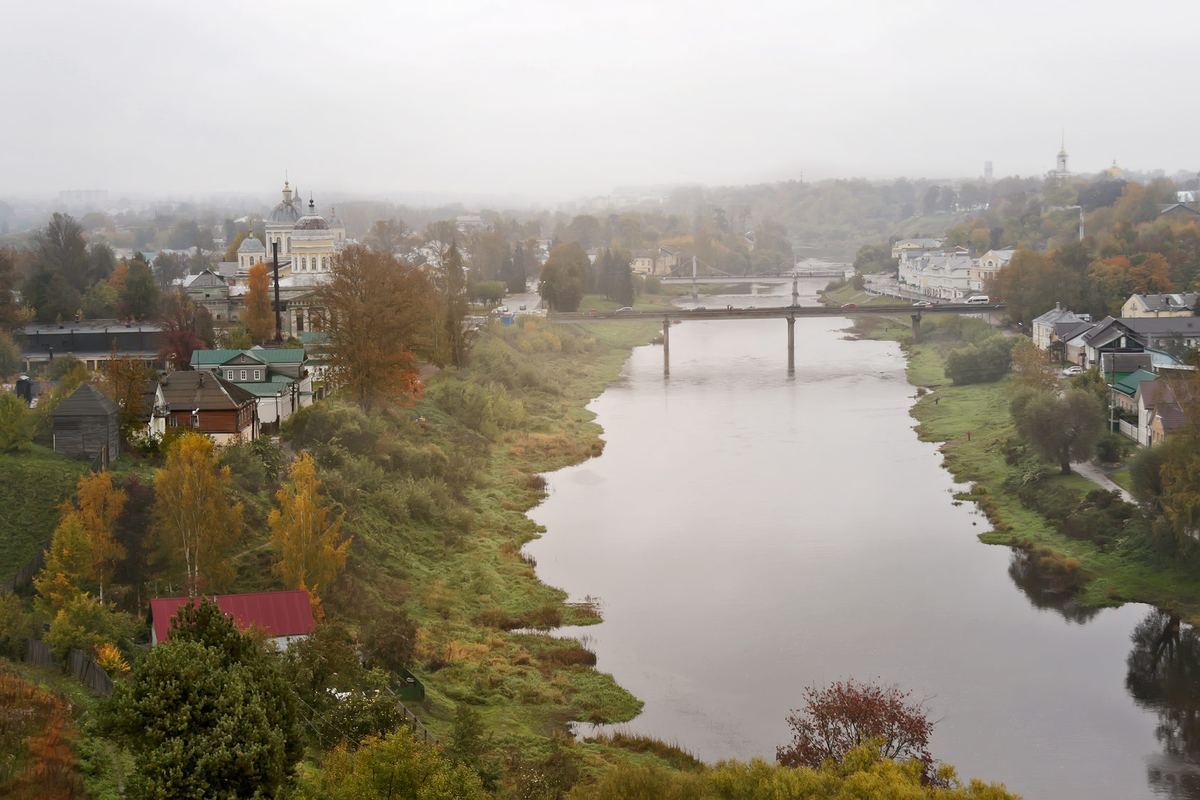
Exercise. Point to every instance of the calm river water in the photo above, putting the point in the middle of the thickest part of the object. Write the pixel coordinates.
(750, 533)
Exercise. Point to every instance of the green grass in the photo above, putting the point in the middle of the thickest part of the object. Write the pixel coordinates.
(32, 487)
(947, 412)
(1122, 478)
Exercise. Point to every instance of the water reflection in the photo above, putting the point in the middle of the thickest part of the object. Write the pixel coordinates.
(1164, 677)
(1042, 593)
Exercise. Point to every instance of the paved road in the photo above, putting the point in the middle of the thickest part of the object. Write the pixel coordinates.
(1099, 477)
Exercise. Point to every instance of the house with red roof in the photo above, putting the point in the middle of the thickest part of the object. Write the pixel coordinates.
(285, 617)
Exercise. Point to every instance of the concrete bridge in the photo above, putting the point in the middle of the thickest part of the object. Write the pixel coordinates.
(788, 313)
(766, 280)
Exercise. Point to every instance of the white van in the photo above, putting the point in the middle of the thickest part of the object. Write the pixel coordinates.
(978, 300)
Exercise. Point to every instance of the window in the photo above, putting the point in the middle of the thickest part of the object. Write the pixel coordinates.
(195, 419)
(174, 421)
(258, 374)
(229, 374)
(243, 374)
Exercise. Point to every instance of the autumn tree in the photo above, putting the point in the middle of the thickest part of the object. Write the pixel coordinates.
(1180, 469)
(1150, 275)
(186, 328)
(307, 540)
(195, 519)
(376, 313)
(387, 235)
(67, 566)
(398, 765)
(123, 380)
(1031, 367)
(846, 715)
(1061, 429)
(97, 505)
(258, 317)
(16, 424)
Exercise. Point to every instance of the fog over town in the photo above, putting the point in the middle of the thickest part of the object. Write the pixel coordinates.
(543, 101)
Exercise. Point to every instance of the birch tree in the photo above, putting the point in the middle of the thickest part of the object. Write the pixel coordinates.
(195, 519)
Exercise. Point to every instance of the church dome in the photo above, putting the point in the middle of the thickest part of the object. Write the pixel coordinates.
(251, 244)
(312, 221)
(287, 212)
(284, 214)
(334, 220)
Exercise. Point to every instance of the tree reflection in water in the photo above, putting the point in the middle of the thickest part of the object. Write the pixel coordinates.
(1164, 677)
(1039, 589)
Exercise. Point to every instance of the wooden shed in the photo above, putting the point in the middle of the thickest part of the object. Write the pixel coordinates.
(88, 424)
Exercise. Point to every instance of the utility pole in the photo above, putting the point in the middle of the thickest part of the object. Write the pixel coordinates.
(278, 314)
(695, 291)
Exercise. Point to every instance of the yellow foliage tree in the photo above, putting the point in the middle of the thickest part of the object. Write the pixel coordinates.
(1031, 367)
(98, 504)
(68, 563)
(305, 539)
(195, 519)
(258, 317)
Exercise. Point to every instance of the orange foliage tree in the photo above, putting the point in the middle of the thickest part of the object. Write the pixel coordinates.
(377, 314)
(259, 318)
(305, 538)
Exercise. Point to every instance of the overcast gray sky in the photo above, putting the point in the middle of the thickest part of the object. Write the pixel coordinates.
(551, 100)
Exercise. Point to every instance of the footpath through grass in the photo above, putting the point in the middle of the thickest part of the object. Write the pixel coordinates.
(1128, 571)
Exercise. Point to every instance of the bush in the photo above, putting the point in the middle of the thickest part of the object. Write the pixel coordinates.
(15, 627)
(85, 624)
(982, 363)
(16, 424)
(1111, 447)
(487, 409)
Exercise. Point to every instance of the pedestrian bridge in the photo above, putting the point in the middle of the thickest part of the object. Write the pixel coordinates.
(788, 313)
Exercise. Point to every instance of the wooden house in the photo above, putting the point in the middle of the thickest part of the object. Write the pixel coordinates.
(88, 424)
(206, 402)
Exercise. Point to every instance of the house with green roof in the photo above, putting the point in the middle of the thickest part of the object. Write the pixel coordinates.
(280, 378)
(1126, 394)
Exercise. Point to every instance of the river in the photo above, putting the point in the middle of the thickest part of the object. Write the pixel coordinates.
(749, 533)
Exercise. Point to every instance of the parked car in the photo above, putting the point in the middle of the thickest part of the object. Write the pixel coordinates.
(1074, 369)
(624, 309)
(849, 305)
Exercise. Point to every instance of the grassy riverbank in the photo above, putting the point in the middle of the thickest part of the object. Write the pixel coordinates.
(1126, 570)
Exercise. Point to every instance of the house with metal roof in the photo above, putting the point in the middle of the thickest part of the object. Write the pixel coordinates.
(278, 377)
(1043, 327)
(91, 341)
(88, 424)
(204, 401)
(284, 617)
(1180, 304)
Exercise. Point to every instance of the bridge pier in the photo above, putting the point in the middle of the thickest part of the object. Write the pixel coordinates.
(916, 326)
(791, 321)
(666, 347)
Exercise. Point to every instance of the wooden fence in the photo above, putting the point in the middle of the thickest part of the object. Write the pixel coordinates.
(39, 653)
(25, 574)
(83, 667)
(415, 725)
(90, 674)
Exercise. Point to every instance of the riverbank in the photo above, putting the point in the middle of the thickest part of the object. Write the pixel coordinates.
(975, 430)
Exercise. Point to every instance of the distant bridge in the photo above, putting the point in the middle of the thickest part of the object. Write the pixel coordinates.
(789, 313)
(696, 272)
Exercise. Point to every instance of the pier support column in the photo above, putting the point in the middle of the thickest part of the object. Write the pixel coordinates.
(791, 321)
(916, 325)
(795, 292)
(666, 347)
